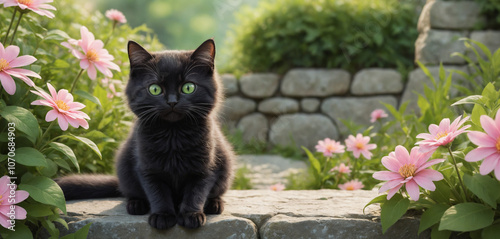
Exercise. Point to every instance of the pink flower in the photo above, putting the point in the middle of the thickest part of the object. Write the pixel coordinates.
(38, 6)
(352, 185)
(277, 187)
(441, 135)
(408, 169)
(378, 114)
(328, 147)
(63, 108)
(359, 145)
(489, 145)
(9, 196)
(92, 54)
(9, 63)
(342, 168)
(111, 88)
(115, 15)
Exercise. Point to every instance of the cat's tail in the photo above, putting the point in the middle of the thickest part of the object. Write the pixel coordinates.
(88, 186)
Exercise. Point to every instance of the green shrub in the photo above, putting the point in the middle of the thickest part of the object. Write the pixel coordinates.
(491, 10)
(348, 34)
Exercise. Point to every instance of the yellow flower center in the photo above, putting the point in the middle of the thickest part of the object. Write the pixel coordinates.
(25, 2)
(3, 64)
(498, 144)
(349, 187)
(408, 170)
(61, 105)
(92, 55)
(359, 145)
(1, 201)
(441, 135)
(331, 147)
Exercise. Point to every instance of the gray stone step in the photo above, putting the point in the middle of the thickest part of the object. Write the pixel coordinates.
(254, 214)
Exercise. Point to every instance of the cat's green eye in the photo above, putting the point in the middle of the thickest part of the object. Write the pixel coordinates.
(155, 89)
(188, 88)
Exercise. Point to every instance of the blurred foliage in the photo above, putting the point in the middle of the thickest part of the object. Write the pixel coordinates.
(491, 10)
(349, 34)
(179, 24)
(241, 181)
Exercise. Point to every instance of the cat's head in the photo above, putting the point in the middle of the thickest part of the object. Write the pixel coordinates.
(172, 86)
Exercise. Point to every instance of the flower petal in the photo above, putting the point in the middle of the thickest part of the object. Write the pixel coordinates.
(480, 153)
(8, 83)
(51, 115)
(413, 190)
(11, 52)
(489, 164)
(63, 123)
(389, 185)
(489, 126)
(386, 175)
(22, 61)
(393, 191)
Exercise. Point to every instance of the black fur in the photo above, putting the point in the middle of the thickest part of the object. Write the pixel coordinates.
(176, 163)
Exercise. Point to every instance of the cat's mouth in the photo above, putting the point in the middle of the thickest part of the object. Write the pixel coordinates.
(172, 116)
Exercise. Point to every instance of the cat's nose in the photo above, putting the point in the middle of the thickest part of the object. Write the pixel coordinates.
(172, 100)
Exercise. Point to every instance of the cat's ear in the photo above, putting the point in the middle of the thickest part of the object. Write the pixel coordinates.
(205, 52)
(137, 54)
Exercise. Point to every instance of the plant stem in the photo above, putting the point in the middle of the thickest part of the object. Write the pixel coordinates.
(15, 29)
(10, 26)
(75, 80)
(44, 134)
(458, 175)
(354, 168)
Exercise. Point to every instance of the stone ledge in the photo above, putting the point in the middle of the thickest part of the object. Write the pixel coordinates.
(253, 214)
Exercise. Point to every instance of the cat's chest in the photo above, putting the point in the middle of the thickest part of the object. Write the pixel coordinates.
(174, 152)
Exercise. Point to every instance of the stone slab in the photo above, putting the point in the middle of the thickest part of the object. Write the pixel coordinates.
(253, 214)
(230, 84)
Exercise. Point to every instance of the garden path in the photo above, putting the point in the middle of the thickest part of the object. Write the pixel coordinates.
(266, 170)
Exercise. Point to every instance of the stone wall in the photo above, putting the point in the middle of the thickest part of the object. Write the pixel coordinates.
(306, 105)
(442, 25)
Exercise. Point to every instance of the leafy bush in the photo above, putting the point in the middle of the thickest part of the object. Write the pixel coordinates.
(36, 143)
(491, 10)
(349, 34)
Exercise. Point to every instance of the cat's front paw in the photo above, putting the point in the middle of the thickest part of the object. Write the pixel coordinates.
(214, 206)
(162, 221)
(192, 219)
(137, 206)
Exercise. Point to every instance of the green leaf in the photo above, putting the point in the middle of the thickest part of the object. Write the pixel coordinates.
(67, 151)
(438, 234)
(30, 157)
(484, 187)
(432, 216)
(21, 232)
(467, 217)
(50, 170)
(468, 100)
(85, 141)
(491, 232)
(379, 199)
(38, 210)
(44, 190)
(88, 96)
(24, 120)
(393, 210)
(82, 233)
(442, 192)
(314, 161)
(477, 111)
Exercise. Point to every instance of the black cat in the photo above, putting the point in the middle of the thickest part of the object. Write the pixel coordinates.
(176, 162)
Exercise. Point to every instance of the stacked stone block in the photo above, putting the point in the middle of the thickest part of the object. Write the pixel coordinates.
(306, 105)
(442, 26)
